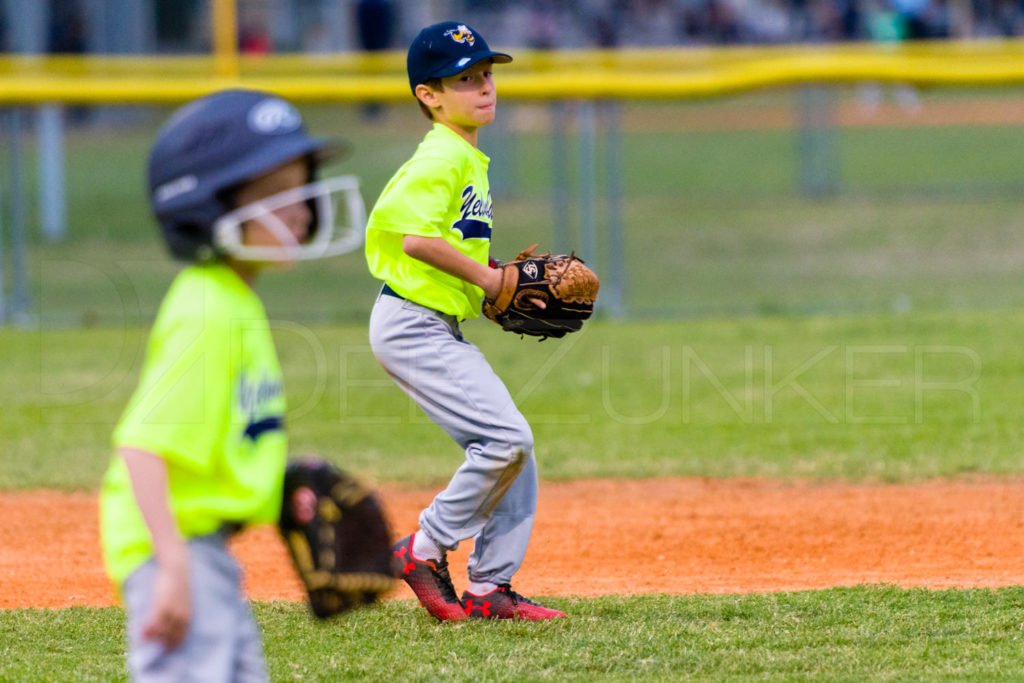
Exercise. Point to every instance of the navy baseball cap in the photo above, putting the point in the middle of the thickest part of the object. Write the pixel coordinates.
(446, 49)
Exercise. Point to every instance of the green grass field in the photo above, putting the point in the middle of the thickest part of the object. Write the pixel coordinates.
(863, 633)
(869, 336)
(886, 397)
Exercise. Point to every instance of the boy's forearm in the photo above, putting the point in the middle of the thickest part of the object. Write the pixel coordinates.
(436, 252)
(148, 474)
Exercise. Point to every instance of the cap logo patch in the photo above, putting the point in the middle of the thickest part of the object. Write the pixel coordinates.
(461, 34)
(274, 116)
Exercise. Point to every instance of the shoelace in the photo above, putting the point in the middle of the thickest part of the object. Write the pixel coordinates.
(516, 597)
(444, 581)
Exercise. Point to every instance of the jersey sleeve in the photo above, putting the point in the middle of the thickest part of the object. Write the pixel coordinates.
(417, 200)
(182, 406)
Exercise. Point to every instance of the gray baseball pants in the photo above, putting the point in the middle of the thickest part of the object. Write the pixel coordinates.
(492, 497)
(223, 641)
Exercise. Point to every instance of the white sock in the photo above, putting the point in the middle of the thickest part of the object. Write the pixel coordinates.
(424, 548)
(481, 587)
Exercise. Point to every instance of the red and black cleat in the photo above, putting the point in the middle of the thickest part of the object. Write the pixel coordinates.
(505, 603)
(429, 580)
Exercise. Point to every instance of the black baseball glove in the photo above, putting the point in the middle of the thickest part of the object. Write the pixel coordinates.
(337, 535)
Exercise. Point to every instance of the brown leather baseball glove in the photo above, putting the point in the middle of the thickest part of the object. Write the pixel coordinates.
(564, 284)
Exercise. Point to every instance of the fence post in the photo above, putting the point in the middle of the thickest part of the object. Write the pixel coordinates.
(19, 301)
(587, 134)
(53, 217)
(614, 289)
(818, 152)
(559, 177)
(3, 256)
(497, 144)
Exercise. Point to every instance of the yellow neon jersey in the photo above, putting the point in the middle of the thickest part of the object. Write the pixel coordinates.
(442, 191)
(210, 402)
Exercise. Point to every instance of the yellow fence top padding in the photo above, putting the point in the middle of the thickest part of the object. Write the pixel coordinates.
(634, 73)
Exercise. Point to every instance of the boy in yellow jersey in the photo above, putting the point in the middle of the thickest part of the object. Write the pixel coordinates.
(200, 449)
(428, 238)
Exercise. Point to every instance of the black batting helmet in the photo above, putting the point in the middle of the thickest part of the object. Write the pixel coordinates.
(209, 147)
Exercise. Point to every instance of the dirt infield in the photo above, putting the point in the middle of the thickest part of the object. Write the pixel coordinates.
(599, 537)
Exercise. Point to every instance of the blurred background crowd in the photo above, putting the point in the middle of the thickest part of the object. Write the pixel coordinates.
(176, 26)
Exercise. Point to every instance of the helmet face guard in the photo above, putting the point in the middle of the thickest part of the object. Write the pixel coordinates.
(339, 223)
